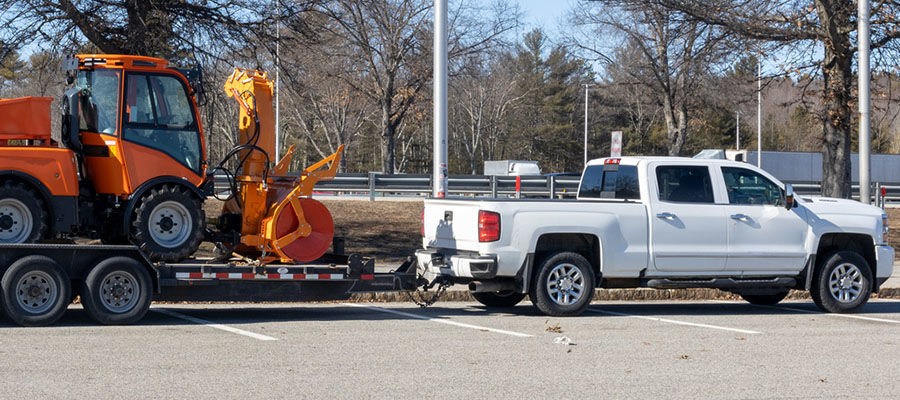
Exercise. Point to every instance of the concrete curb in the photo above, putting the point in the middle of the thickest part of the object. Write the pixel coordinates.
(614, 295)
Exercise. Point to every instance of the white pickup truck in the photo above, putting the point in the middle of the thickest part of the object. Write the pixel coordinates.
(660, 222)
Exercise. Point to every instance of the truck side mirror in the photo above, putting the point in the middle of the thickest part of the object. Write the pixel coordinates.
(788, 196)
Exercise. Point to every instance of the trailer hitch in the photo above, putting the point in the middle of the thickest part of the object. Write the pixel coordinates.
(421, 298)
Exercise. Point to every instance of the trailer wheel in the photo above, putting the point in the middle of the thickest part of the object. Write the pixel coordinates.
(36, 291)
(503, 299)
(564, 284)
(22, 215)
(117, 291)
(168, 224)
(843, 283)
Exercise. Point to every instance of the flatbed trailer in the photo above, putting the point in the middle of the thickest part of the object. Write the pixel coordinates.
(117, 282)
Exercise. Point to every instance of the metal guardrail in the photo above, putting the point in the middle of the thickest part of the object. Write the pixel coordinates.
(374, 184)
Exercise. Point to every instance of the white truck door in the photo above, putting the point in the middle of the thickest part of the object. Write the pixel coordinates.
(687, 227)
(763, 235)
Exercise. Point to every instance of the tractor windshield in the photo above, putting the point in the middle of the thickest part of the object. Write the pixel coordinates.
(100, 100)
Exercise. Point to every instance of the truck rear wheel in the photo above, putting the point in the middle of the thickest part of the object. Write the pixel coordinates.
(36, 291)
(503, 299)
(563, 285)
(168, 224)
(117, 291)
(843, 283)
(22, 215)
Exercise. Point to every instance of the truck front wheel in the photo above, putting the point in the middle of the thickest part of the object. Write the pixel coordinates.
(563, 284)
(843, 283)
(503, 299)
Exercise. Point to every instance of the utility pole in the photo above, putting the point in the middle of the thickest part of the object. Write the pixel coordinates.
(759, 111)
(277, 81)
(737, 130)
(865, 140)
(439, 164)
(586, 86)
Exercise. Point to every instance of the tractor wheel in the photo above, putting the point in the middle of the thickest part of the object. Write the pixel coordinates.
(22, 215)
(168, 224)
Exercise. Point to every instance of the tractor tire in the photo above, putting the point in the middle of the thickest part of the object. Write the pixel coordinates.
(36, 291)
(563, 284)
(168, 224)
(504, 299)
(23, 218)
(843, 283)
(117, 291)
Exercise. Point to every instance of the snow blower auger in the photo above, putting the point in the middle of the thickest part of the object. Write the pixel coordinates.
(278, 219)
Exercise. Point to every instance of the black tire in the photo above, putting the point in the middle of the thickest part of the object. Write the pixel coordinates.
(21, 206)
(832, 300)
(154, 226)
(554, 303)
(765, 299)
(36, 291)
(503, 299)
(118, 290)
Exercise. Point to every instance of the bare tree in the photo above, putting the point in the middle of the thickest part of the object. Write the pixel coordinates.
(667, 53)
(798, 24)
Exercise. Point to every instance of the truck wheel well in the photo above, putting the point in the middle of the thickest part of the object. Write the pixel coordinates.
(860, 243)
(586, 244)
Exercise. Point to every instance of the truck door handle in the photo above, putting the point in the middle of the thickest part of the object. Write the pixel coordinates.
(665, 215)
(740, 217)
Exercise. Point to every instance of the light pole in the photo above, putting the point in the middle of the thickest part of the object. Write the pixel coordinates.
(586, 101)
(277, 82)
(737, 130)
(439, 164)
(864, 137)
(759, 111)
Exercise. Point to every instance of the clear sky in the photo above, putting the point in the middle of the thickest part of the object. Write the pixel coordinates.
(545, 14)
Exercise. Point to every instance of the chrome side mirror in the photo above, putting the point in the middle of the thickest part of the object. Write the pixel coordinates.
(788, 196)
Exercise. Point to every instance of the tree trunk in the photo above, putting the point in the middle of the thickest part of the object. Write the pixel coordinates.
(388, 155)
(676, 122)
(837, 75)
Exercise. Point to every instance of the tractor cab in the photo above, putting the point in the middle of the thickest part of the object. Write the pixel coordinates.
(131, 120)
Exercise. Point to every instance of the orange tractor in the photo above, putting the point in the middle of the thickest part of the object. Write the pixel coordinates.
(132, 167)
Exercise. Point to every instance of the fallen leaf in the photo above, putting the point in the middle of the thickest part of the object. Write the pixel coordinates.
(685, 356)
(554, 328)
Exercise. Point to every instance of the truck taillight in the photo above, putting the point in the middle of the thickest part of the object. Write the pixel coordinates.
(884, 228)
(488, 226)
(423, 222)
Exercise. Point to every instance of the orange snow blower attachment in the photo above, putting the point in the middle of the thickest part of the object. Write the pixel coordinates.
(279, 220)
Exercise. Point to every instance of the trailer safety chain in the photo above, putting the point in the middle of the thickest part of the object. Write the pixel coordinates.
(419, 297)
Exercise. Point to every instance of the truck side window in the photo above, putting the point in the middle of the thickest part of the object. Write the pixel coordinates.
(749, 187)
(610, 182)
(684, 184)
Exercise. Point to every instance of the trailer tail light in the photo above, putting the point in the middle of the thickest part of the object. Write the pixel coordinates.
(884, 228)
(488, 226)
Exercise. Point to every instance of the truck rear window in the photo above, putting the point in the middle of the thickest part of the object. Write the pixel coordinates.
(610, 181)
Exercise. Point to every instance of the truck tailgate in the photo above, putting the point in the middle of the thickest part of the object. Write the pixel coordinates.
(451, 224)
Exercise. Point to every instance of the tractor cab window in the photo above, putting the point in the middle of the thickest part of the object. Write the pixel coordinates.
(99, 108)
(159, 115)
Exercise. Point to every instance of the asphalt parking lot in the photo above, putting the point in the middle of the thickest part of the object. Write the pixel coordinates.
(620, 349)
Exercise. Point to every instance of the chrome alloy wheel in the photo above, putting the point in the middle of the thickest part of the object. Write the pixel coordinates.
(846, 283)
(170, 224)
(119, 291)
(565, 284)
(36, 292)
(16, 221)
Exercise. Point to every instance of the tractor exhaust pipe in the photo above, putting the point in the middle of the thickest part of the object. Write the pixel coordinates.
(491, 286)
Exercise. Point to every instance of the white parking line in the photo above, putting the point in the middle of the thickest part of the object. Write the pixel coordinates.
(800, 310)
(439, 320)
(212, 324)
(672, 321)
